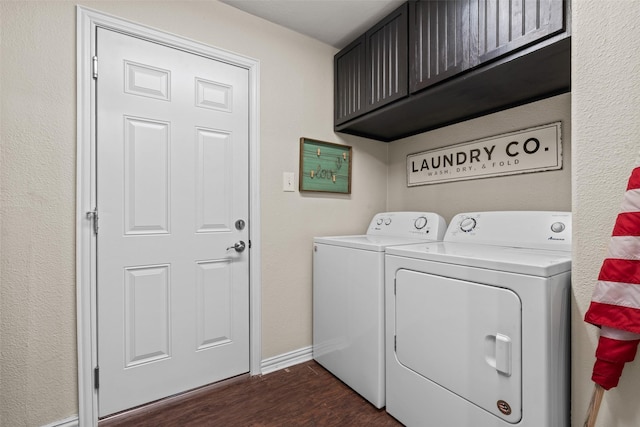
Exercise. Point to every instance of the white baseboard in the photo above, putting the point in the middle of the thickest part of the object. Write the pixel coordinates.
(285, 360)
(67, 422)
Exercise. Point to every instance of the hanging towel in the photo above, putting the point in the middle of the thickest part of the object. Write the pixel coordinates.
(615, 304)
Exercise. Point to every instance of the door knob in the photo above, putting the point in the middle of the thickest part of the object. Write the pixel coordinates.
(239, 247)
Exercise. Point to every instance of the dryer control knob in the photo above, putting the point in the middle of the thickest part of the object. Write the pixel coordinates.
(467, 225)
(420, 222)
(557, 227)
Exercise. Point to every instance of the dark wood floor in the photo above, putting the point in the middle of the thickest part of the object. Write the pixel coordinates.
(301, 395)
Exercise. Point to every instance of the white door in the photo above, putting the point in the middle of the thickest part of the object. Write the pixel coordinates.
(172, 180)
(464, 336)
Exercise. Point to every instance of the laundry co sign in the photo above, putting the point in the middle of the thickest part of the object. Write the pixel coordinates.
(530, 150)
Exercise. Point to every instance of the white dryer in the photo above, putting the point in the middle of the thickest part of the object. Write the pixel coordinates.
(348, 297)
(478, 325)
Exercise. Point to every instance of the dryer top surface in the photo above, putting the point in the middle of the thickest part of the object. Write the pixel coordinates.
(534, 262)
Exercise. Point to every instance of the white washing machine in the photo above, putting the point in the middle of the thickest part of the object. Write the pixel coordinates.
(478, 325)
(348, 297)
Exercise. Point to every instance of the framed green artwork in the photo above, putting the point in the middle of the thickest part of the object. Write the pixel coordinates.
(324, 167)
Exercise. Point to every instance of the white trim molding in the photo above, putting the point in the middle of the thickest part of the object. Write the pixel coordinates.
(285, 360)
(67, 422)
(87, 22)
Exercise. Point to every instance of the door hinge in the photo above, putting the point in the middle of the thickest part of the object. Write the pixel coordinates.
(249, 244)
(95, 67)
(93, 216)
(96, 377)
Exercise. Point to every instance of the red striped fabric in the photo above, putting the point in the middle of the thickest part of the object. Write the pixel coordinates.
(620, 270)
(611, 355)
(627, 224)
(615, 304)
(615, 316)
(634, 180)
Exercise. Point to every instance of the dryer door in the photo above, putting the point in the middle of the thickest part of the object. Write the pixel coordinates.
(464, 336)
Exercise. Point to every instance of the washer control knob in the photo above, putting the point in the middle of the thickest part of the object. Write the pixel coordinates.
(420, 222)
(467, 225)
(387, 221)
(379, 221)
(558, 227)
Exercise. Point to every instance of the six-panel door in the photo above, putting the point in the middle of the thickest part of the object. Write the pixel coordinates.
(172, 179)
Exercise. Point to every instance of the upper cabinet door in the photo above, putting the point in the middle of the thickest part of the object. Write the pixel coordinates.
(507, 25)
(349, 85)
(387, 60)
(442, 40)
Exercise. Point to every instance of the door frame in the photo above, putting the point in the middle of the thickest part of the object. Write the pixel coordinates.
(87, 21)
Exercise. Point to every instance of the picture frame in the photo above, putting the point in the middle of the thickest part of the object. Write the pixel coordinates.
(324, 167)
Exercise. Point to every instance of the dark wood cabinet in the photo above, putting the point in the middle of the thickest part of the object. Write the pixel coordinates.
(466, 58)
(387, 60)
(447, 37)
(442, 38)
(349, 81)
(507, 25)
(372, 71)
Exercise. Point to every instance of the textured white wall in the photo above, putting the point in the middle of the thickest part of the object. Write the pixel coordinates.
(533, 191)
(37, 179)
(37, 203)
(606, 145)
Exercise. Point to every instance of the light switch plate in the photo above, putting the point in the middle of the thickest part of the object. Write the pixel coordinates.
(288, 181)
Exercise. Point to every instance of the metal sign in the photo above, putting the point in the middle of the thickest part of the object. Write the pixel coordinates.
(530, 150)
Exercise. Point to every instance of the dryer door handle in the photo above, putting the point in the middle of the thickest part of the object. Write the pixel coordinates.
(503, 354)
(498, 353)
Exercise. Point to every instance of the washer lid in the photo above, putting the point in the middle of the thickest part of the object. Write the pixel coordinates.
(367, 242)
(534, 262)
